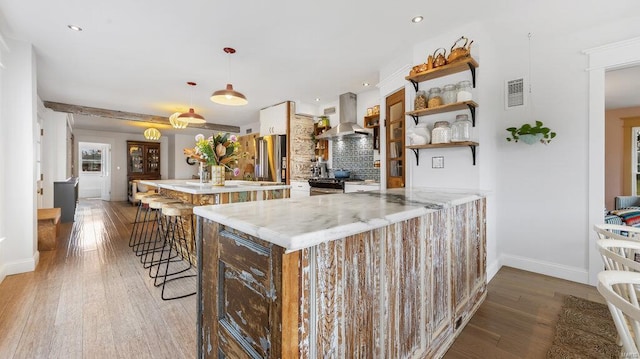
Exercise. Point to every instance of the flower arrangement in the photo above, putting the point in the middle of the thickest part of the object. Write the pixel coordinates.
(220, 150)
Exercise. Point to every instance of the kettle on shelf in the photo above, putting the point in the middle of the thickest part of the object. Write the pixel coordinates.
(460, 52)
(439, 59)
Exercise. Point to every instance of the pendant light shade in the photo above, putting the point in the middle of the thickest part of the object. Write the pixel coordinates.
(177, 122)
(152, 134)
(191, 116)
(229, 96)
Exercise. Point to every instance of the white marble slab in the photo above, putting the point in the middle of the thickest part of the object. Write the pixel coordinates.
(297, 223)
(195, 187)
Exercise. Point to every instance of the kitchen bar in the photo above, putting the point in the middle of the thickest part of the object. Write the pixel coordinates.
(395, 273)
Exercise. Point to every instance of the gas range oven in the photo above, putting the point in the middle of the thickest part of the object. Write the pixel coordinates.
(327, 185)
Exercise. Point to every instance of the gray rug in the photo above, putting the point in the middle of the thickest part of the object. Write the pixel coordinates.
(585, 329)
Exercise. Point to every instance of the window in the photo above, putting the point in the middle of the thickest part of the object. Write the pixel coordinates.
(91, 160)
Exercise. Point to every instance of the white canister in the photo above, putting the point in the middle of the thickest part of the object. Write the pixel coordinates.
(422, 131)
(464, 91)
(441, 133)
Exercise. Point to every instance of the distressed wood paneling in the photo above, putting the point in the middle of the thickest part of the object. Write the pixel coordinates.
(387, 293)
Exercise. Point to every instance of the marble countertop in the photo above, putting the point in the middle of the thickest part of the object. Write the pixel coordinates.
(297, 223)
(195, 187)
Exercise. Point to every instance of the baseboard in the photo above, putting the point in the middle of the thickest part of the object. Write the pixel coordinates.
(492, 269)
(22, 266)
(2, 266)
(573, 274)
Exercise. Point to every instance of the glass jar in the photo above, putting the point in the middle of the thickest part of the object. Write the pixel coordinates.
(441, 132)
(461, 129)
(435, 97)
(464, 91)
(420, 103)
(449, 94)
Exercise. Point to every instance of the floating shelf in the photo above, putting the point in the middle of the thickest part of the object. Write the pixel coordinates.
(461, 65)
(446, 108)
(470, 144)
(368, 120)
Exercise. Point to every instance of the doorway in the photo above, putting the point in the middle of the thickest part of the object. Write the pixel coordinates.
(601, 59)
(395, 140)
(94, 175)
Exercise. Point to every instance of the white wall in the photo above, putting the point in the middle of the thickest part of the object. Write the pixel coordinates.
(182, 169)
(118, 142)
(254, 127)
(3, 155)
(54, 152)
(18, 118)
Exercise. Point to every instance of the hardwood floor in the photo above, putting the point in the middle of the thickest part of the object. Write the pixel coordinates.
(91, 298)
(517, 319)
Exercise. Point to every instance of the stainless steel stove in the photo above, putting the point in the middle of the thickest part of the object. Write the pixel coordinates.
(327, 185)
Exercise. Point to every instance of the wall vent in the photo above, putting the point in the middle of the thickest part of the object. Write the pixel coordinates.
(330, 111)
(514, 93)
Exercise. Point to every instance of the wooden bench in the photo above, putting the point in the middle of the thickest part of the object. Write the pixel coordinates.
(48, 222)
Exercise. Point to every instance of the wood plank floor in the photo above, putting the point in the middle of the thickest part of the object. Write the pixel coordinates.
(91, 298)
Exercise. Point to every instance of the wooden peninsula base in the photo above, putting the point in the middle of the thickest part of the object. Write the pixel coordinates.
(400, 290)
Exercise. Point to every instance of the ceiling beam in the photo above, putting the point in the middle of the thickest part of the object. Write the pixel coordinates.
(131, 116)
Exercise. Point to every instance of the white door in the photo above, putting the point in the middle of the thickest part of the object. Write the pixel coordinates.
(95, 170)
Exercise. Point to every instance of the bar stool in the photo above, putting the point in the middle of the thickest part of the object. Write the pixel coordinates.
(175, 217)
(137, 223)
(156, 232)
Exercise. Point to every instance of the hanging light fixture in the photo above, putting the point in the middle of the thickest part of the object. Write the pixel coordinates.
(177, 122)
(152, 134)
(191, 116)
(229, 96)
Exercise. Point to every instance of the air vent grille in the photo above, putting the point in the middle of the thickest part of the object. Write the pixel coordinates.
(514, 93)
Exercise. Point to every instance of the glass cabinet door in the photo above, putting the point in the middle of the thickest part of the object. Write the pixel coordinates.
(395, 140)
(153, 160)
(136, 159)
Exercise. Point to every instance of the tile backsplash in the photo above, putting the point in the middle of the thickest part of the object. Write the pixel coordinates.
(355, 153)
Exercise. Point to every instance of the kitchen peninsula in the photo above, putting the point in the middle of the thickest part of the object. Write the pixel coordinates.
(388, 274)
(233, 191)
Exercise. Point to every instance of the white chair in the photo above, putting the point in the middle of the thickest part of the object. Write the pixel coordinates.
(619, 254)
(617, 287)
(605, 231)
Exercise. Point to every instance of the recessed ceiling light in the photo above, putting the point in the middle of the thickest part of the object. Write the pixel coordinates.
(417, 19)
(74, 27)
(317, 100)
(365, 84)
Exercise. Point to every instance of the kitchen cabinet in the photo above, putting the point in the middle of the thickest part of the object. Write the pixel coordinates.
(143, 160)
(373, 122)
(274, 119)
(351, 187)
(299, 189)
(321, 146)
(449, 69)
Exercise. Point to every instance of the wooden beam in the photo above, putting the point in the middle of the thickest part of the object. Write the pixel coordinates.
(131, 116)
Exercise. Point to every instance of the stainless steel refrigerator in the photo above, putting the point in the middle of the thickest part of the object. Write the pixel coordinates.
(271, 158)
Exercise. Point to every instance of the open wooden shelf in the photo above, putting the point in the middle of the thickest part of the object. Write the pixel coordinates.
(470, 144)
(369, 120)
(471, 105)
(461, 65)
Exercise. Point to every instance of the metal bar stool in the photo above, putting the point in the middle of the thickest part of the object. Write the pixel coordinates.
(176, 215)
(137, 222)
(154, 235)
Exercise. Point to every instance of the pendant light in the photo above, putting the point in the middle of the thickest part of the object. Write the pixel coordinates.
(152, 134)
(229, 96)
(191, 116)
(177, 122)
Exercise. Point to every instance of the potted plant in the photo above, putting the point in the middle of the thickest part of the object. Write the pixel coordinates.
(531, 133)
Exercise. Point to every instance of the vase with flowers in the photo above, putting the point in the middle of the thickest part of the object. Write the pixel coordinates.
(220, 152)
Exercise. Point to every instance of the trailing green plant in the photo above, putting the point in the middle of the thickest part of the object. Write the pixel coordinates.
(539, 131)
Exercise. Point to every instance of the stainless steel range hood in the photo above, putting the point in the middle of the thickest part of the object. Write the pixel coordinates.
(347, 125)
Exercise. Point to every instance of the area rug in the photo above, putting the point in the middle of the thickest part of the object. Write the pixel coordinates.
(585, 329)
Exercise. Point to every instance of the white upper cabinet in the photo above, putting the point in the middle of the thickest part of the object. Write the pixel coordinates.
(273, 120)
